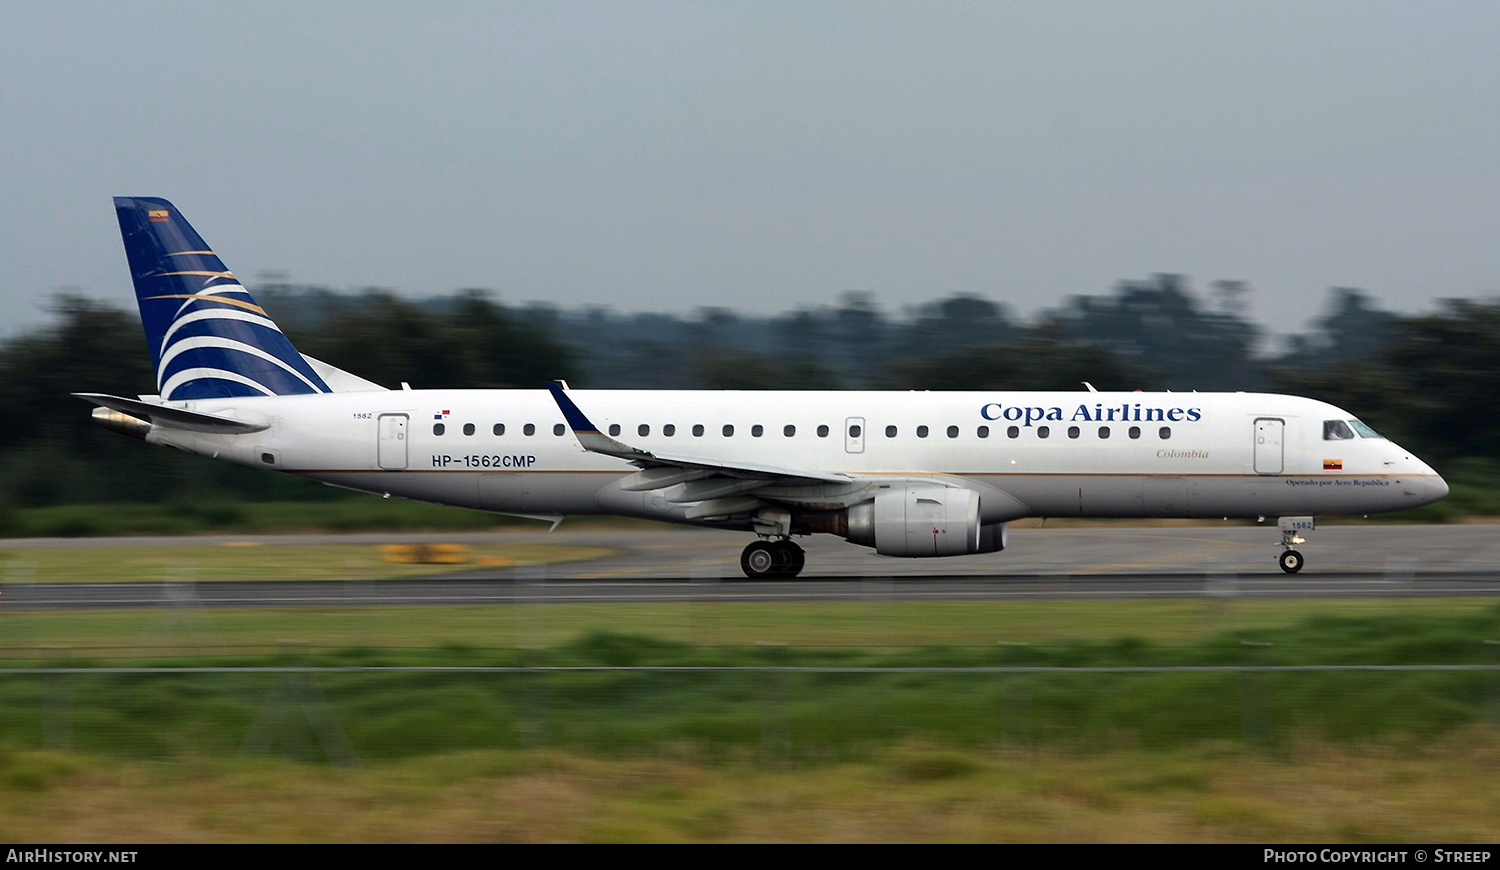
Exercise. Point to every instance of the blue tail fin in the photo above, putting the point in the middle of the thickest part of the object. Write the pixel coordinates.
(208, 338)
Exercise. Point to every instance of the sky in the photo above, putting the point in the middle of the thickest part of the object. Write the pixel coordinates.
(762, 156)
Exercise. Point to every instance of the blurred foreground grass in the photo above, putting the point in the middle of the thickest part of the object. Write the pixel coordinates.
(765, 754)
(722, 706)
(1209, 792)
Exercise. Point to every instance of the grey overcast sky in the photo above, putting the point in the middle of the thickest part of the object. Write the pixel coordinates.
(760, 155)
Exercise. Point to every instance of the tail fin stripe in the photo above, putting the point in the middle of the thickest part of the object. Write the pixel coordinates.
(214, 314)
(214, 342)
(204, 297)
(209, 374)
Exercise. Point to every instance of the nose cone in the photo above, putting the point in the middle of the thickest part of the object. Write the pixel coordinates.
(1430, 485)
(1437, 489)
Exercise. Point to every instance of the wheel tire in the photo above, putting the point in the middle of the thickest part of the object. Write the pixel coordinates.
(760, 561)
(1291, 561)
(790, 558)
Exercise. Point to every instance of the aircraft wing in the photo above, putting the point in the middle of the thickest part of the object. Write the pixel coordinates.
(692, 467)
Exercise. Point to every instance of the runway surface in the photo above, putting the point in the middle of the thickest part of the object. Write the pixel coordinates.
(1359, 561)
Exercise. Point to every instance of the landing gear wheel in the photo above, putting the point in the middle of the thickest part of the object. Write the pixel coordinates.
(772, 560)
(760, 560)
(790, 558)
(1291, 561)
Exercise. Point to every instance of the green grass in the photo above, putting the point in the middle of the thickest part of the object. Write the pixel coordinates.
(911, 792)
(187, 630)
(762, 755)
(800, 717)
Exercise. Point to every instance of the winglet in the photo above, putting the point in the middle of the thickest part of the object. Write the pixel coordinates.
(576, 419)
(589, 436)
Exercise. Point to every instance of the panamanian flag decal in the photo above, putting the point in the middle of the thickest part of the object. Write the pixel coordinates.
(440, 415)
(1333, 465)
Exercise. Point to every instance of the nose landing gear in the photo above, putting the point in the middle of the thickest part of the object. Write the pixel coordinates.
(772, 560)
(1291, 560)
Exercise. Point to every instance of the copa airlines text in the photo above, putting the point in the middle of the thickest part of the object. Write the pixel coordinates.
(906, 473)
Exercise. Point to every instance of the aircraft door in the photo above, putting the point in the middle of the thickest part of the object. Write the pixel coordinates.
(1268, 449)
(854, 435)
(392, 450)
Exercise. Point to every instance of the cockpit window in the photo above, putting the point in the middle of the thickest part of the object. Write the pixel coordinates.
(1363, 430)
(1336, 430)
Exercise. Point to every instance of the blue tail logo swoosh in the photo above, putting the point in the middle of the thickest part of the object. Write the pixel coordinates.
(208, 337)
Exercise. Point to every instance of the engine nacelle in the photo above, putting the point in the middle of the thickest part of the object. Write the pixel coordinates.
(924, 521)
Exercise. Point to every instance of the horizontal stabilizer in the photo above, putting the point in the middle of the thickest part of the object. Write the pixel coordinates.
(172, 418)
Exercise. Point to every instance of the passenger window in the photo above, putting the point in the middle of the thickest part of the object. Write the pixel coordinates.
(697, 430)
(1165, 433)
(757, 430)
(1103, 431)
(788, 431)
(983, 432)
(468, 428)
(921, 431)
(558, 428)
(1013, 432)
(643, 430)
(1043, 431)
(499, 429)
(529, 429)
(728, 430)
(669, 430)
(1336, 430)
(854, 431)
(952, 431)
(614, 429)
(1072, 431)
(822, 431)
(438, 428)
(890, 431)
(1135, 431)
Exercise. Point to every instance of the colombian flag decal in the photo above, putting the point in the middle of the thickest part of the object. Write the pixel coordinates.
(157, 215)
(1333, 465)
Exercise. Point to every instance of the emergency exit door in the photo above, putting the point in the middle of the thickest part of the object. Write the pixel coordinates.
(1269, 454)
(854, 435)
(392, 450)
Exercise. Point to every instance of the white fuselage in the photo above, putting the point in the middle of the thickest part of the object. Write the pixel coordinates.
(1164, 454)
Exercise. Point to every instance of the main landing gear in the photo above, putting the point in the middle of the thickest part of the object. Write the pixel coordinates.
(772, 560)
